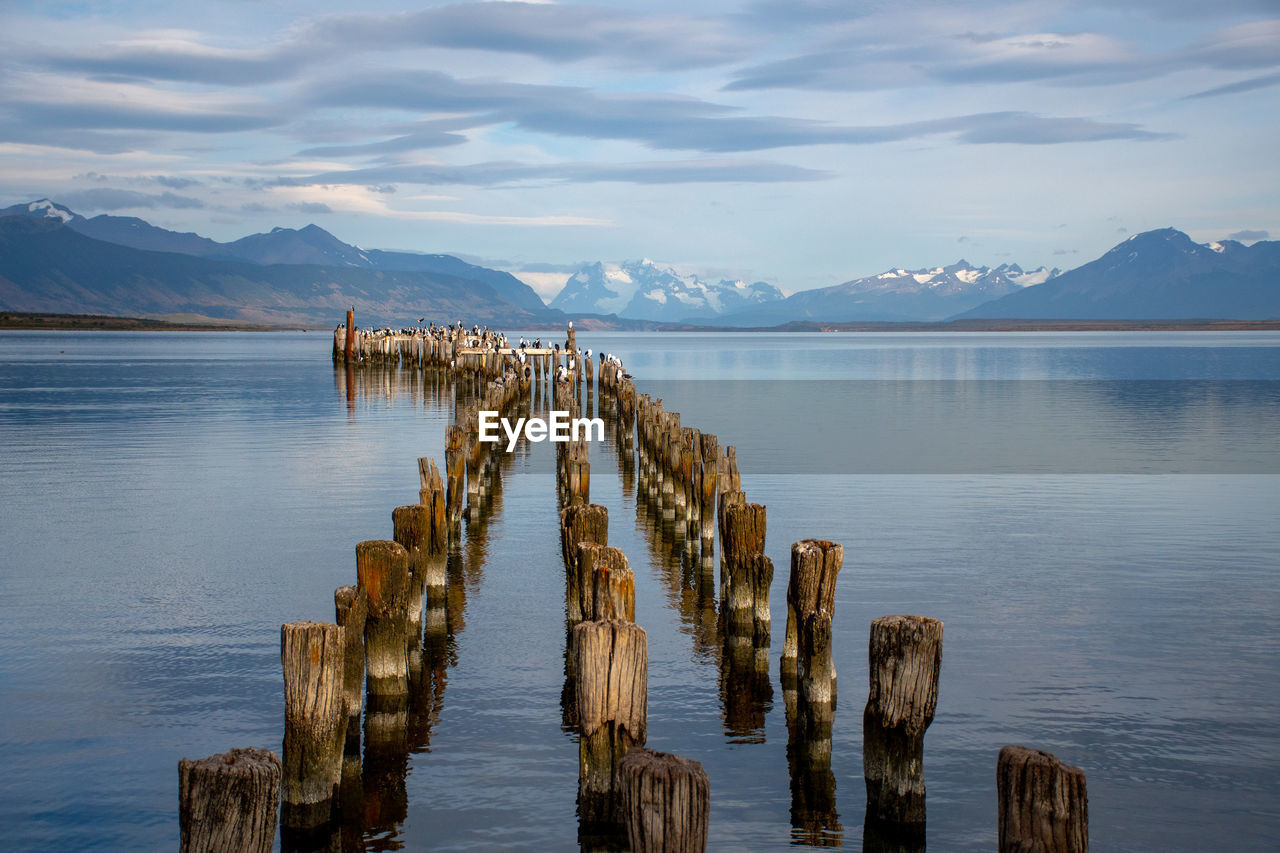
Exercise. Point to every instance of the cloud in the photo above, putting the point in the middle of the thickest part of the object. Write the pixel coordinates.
(506, 173)
(1249, 236)
(1240, 86)
(681, 123)
(310, 207)
(552, 32)
(107, 198)
(877, 57)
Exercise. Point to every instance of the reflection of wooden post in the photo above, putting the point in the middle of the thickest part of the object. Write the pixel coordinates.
(664, 802)
(383, 571)
(905, 655)
(1044, 807)
(315, 719)
(612, 697)
(227, 803)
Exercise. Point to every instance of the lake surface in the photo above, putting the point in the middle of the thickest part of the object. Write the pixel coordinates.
(1110, 585)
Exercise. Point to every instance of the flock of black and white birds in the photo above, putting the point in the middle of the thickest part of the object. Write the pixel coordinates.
(483, 339)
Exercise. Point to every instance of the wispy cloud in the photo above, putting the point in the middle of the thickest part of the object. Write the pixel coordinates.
(109, 198)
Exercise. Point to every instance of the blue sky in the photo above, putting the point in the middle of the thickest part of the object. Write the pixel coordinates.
(803, 142)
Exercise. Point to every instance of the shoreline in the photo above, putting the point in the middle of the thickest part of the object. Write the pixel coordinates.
(111, 323)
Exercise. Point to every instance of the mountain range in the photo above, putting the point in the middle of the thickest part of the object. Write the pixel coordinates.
(1157, 275)
(47, 265)
(897, 295)
(645, 290)
(53, 260)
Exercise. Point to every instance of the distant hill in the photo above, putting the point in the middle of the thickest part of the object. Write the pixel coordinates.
(46, 266)
(310, 245)
(1161, 274)
(896, 295)
(648, 291)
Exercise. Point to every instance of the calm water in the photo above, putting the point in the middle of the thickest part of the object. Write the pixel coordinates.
(167, 501)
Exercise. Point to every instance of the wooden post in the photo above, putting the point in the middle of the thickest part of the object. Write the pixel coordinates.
(455, 464)
(413, 529)
(665, 801)
(905, 654)
(612, 698)
(607, 586)
(227, 803)
(579, 523)
(315, 720)
(1044, 807)
(815, 564)
(351, 609)
(746, 581)
(349, 348)
(383, 570)
(433, 497)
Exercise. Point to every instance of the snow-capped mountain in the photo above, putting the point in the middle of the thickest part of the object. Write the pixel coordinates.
(644, 290)
(41, 209)
(932, 293)
(1161, 274)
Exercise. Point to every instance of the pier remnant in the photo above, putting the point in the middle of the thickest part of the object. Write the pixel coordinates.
(1044, 807)
(665, 801)
(905, 655)
(315, 720)
(227, 803)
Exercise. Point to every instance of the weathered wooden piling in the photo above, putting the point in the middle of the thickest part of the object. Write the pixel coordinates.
(665, 802)
(455, 464)
(1044, 806)
(412, 526)
(382, 567)
(349, 346)
(606, 584)
(746, 579)
(815, 565)
(350, 611)
(227, 803)
(905, 654)
(579, 523)
(612, 698)
(312, 654)
(433, 496)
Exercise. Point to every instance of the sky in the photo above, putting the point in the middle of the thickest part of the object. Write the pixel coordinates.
(800, 142)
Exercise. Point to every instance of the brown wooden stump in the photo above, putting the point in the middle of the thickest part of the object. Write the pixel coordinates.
(612, 698)
(315, 720)
(349, 345)
(606, 584)
(905, 654)
(383, 570)
(350, 611)
(665, 802)
(412, 529)
(455, 463)
(1044, 807)
(815, 564)
(227, 803)
(580, 523)
(746, 580)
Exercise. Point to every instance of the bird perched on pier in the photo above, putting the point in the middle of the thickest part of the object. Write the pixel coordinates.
(587, 355)
(562, 374)
(570, 324)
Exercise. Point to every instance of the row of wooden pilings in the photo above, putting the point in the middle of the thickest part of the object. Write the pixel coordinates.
(660, 801)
